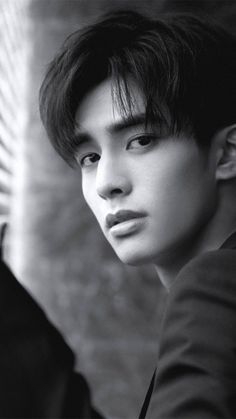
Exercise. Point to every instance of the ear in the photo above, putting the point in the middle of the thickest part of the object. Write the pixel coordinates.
(226, 164)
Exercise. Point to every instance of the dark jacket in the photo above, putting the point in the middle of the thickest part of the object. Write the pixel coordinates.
(196, 374)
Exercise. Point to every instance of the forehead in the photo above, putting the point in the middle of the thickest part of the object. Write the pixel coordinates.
(98, 108)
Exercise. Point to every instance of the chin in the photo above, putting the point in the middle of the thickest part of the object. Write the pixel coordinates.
(143, 252)
(135, 257)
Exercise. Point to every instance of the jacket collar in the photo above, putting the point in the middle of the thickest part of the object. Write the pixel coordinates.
(230, 242)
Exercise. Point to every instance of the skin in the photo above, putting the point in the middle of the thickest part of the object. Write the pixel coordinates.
(168, 179)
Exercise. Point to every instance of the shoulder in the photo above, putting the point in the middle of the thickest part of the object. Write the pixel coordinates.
(201, 312)
(214, 269)
(196, 367)
(207, 282)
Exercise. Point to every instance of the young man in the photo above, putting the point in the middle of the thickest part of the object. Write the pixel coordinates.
(147, 109)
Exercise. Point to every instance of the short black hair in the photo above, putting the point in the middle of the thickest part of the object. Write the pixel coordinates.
(184, 65)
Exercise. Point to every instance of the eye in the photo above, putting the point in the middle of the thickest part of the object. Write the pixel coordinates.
(141, 141)
(89, 159)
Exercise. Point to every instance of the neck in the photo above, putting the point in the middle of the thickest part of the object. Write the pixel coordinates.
(209, 237)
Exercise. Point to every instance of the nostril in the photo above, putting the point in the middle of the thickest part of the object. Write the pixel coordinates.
(116, 191)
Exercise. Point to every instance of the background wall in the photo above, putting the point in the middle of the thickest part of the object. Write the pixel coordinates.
(110, 314)
(13, 107)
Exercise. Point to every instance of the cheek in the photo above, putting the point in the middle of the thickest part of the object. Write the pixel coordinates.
(88, 193)
(85, 190)
(91, 197)
(180, 190)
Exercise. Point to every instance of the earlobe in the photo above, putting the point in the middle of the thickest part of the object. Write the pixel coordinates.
(226, 166)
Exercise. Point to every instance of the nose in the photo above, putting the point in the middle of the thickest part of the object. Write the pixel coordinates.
(112, 178)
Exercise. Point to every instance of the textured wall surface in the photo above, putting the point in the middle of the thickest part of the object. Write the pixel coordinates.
(13, 109)
(110, 314)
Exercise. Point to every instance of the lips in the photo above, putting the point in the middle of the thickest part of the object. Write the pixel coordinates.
(122, 216)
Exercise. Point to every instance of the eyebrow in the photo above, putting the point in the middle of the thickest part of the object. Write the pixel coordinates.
(126, 122)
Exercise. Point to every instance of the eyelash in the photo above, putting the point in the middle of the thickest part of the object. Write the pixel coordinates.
(137, 139)
(142, 137)
(90, 155)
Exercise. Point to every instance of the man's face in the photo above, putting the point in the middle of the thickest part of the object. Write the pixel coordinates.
(150, 192)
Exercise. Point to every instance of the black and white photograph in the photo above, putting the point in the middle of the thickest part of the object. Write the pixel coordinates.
(118, 209)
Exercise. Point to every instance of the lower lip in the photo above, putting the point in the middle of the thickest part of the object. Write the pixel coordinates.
(127, 227)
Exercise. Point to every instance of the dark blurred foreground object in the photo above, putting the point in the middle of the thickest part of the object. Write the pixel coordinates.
(2, 237)
(196, 375)
(36, 365)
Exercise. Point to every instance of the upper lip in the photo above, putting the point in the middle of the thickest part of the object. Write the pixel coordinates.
(121, 216)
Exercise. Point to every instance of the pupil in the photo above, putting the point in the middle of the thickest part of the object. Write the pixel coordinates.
(144, 141)
(93, 157)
